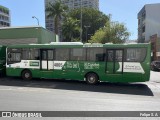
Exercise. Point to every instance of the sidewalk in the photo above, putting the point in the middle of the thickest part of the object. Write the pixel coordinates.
(155, 76)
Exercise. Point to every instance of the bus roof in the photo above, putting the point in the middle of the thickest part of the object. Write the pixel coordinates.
(77, 45)
(66, 43)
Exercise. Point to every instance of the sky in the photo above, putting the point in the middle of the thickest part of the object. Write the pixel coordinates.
(123, 11)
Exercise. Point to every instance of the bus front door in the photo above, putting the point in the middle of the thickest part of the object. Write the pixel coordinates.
(46, 63)
(114, 64)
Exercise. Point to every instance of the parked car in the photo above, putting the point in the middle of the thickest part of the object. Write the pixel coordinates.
(155, 65)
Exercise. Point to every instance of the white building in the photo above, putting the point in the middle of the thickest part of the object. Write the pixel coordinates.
(72, 4)
(4, 17)
(148, 22)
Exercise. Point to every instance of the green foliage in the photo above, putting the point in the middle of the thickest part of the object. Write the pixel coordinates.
(112, 32)
(70, 29)
(99, 24)
(56, 11)
(90, 17)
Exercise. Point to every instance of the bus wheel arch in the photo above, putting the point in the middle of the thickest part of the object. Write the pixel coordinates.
(92, 78)
(26, 74)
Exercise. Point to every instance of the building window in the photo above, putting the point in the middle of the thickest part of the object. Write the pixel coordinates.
(143, 15)
(143, 29)
(139, 21)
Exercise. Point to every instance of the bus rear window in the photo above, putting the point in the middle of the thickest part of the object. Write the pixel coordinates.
(136, 54)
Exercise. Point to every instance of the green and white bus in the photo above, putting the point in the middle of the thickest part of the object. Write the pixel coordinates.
(77, 61)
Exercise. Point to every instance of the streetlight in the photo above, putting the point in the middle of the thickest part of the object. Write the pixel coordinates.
(36, 19)
(87, 31)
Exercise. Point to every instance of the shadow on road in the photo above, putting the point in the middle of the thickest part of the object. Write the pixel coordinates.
(133, 89)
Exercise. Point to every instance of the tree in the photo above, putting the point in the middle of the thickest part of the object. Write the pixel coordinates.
(90, 17)
(112, 32)
(70, 29)
(56, 11)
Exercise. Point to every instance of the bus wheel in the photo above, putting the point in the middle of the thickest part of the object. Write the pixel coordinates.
(91, 78)
(26, 75)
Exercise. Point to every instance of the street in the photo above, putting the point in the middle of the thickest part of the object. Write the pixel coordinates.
(60, 95)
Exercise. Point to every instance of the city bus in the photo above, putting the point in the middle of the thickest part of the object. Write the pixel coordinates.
(77, 61)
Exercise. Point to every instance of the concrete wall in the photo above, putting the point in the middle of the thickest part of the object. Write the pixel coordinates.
(47, 36)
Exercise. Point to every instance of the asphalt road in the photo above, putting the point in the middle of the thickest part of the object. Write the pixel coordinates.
(60, 95)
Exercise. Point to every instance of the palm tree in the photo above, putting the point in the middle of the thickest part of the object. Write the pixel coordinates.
(70, 29)
(56, 11)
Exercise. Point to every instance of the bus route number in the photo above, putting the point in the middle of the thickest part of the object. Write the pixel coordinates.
(58, 65)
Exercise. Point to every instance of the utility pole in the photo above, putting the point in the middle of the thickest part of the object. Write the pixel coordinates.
(81, 31)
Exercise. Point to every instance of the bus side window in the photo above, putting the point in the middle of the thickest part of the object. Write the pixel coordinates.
(44, 55)
(136, 54)
(119, 56)
(14, 57)
(110, 56)
(34, 54)
(26, 54)
(30, 54)
(62, 54)
(9, 55)
(100, 57)
(78, 54)
(95, 54)
(50, 55)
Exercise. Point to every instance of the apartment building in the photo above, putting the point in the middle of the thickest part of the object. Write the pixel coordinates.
(149, 28)
(148, 22)
(4, 17)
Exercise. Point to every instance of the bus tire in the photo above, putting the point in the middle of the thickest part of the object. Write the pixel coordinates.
(26, 75)
(92, 78)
